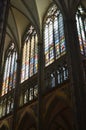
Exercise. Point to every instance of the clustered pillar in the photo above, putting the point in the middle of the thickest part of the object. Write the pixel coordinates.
(40, 81)
(77, 84)
(4, 10)
(16, 94)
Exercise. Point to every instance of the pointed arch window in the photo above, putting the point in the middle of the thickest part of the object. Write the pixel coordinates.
(9, 76)
(30, 54)
(54, 39)
(81, 28)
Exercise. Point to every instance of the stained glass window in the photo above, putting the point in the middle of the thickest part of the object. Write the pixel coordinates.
(54, 39)
(9, 77)
(26, 96)
(4, 107)
(31, 94)
(10, 104)
(57, 75)
(30, 55)
(81, 28)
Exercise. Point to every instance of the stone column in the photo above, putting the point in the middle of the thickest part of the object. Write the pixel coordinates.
(77, 85)
(77, 76)
(4, 10)
(40, 80)
(16, 94)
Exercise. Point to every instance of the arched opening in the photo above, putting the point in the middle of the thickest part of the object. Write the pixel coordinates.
(9, 80)
(28, 122)
(29, 54)
(4, 127)
(54, 40)
(58, 116)
(9, 76)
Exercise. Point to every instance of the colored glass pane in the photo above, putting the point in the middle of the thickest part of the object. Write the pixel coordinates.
(30, 55)
(9, 70)
(81, 28)
(54, 39)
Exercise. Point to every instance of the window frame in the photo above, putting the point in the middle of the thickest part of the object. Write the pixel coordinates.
(28, 38)
(61, 36)
(9, 53)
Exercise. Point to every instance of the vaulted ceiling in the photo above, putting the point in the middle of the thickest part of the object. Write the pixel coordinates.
(23, 12)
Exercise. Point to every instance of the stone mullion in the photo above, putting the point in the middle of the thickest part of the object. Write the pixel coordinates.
(14, 64)
(34, 53)
(10, 71)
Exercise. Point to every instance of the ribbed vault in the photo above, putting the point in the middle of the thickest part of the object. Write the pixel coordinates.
(23, 12)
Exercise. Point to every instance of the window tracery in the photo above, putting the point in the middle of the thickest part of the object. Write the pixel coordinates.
(9, 77)
(54, 39)
(30, 55)
(30, 94)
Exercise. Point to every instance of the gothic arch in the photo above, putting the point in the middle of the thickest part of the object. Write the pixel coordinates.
(4, 126)
(29, 53)
(58, 115)
(49, 6)
(10, 69)
(53, 35)
(27, 121)
(60, 95)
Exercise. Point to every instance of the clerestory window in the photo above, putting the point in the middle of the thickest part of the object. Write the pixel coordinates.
(81, 28)
(30, 55)
(54, 40)
(9, 76)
